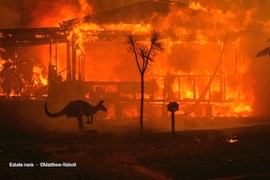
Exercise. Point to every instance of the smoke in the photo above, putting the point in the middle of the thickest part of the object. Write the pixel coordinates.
(103, 5)
(44, 13)
(9, 14)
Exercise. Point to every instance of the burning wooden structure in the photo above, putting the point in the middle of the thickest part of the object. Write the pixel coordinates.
(214, 92)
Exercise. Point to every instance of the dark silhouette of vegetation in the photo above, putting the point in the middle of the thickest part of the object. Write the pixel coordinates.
(143, 53)
(264, 52)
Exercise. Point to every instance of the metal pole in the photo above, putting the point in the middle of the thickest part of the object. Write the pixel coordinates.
(173, 123)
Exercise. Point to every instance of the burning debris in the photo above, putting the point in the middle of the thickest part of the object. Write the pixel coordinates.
(232, 140)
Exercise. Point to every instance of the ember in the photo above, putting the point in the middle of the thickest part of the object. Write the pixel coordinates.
(232, 140)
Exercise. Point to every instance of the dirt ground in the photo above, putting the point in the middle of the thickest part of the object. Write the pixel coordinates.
(217, 153)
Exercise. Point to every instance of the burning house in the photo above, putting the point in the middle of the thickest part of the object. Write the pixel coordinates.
(203, 66)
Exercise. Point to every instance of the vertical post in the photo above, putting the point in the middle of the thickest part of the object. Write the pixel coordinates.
(50, 65)
(173, 123)
(83, 67)
(79, 68)
(50, 53)
(50, 71)
(68, 62)
(173, 106)
(73, 47)
(142, 103)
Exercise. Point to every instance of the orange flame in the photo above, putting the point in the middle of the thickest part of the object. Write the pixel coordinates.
(38, 78)
(192, 47)
(197, 6)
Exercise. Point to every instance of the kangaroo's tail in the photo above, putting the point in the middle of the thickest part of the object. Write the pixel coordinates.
(53, 115)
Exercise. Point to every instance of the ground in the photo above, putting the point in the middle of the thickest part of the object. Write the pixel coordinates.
(231, 153)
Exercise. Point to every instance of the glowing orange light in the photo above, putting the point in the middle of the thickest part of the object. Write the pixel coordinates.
(38, 78)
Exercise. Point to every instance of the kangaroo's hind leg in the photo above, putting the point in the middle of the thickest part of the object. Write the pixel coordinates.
(88, 120)
(92, 118)
(80, 121)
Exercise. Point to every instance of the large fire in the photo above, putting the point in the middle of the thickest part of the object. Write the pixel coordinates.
(199, 41)
(237, 101)
(38, 77)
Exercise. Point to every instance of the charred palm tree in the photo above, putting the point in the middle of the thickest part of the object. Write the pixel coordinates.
(264, 52)
(143, 54)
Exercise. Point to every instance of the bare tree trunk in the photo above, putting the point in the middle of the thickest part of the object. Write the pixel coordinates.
(142, 102)
(142, 52)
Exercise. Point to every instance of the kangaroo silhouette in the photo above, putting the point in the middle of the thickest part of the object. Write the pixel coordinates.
(77, 109)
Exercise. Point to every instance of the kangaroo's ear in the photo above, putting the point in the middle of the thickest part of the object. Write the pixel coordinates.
(101, 102)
